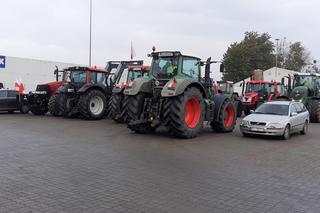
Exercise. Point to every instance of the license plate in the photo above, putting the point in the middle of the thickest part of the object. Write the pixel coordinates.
(257, 129)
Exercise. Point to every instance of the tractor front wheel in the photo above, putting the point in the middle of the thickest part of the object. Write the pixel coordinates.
(116, 107)
(135, 107)
(38, 110)
(53, 105)
(92, 105)
(225, 122)
(315, 111)
(64, 105)
(183, 115)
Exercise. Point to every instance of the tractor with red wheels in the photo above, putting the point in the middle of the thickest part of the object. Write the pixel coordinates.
(174, 95)
(257, 91)
(118, 101)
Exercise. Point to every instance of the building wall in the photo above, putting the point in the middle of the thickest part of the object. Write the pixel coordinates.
(30, 71)
(271, 74)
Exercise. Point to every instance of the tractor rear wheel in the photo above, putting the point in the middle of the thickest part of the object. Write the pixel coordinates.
(225, 121)
(116, 107)
(124, 109)
(53, 105)
(135, 110)
(183, 115)
(108, 109)
(92, 105)
(315, 111)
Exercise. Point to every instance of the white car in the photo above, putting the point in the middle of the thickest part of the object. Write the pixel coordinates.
(276, 118)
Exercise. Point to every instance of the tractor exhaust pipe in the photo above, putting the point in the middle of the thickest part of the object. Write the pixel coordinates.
(207, 76)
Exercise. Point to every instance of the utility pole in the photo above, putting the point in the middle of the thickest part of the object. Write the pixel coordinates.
(90, 34)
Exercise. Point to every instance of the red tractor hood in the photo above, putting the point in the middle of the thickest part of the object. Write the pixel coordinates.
(251, 95)
(53, 85)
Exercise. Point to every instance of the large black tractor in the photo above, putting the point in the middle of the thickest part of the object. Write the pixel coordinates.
(175, 95)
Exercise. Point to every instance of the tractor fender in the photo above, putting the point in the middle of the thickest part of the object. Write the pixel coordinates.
(139, 85)
(181, 85)
(218, 101)
(117, 90)
(88, 87)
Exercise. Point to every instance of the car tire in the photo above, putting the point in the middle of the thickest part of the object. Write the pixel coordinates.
(24, 109)
(304, 131)
(286, 133)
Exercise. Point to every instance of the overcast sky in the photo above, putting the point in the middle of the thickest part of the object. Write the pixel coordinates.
(58, 29)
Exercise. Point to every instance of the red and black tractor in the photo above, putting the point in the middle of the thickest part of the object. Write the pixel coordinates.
(88, 90)
(38, 100)
(257, 91)
(118, 100)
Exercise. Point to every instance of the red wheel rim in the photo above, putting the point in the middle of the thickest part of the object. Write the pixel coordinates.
(229, 116)
(192, 112)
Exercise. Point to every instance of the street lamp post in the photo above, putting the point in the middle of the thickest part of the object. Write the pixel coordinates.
(277, 51)
(90, 34)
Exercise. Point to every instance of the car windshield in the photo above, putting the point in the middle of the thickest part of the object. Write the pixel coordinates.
(302, 80)
(165, 67)
(254, 87)
(273, 109)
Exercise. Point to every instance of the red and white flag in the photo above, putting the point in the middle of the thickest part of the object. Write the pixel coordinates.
(133, 52)
(19, 86)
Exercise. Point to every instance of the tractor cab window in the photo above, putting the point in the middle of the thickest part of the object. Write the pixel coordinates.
(165, 67)
(101, 78)
(78, 76)
(254, 87)
(301, 80)
(135, 74)
(112, 75)
(190, 67)
(124, 77)
(225, 87)
(93, 77)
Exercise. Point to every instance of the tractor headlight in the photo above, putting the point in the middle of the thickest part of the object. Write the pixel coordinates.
(70, 90)
(249, 100)
(274, 126)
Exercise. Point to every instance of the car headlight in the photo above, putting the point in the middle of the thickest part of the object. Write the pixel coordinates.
(244, 123)
(275, 126)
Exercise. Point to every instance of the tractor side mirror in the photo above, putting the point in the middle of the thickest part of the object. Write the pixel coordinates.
(221, 67)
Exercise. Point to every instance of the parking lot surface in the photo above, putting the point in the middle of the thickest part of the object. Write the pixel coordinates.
(53, 164)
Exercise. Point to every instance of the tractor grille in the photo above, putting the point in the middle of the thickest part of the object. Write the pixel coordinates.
(43, 87)
(258, 123)
(157, 88)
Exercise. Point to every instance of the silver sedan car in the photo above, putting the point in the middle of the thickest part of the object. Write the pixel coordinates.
(276, 118)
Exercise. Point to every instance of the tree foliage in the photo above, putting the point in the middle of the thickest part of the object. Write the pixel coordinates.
(257, 51)
(253, 52)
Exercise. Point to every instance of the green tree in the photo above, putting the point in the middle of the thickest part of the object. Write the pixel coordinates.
(255, 51)
(296, 58)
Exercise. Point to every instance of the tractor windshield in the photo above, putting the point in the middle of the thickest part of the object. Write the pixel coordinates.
(165, 67)
(135, 74)
(254, 87)
(78, 76)
(303, 80)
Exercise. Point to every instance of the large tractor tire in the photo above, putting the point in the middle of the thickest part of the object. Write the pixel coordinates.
(108, 109)
(92, 105)
(183, 115)
(53, 105)
(116, 107)
(124, 110)
(39, 110)
(64, 105)
(135, 110)
(225, 121)
(315, 111)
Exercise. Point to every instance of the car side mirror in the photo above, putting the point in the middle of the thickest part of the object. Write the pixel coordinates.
(251, 111)
(294, 114)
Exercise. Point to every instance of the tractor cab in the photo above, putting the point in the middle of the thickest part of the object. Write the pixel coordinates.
(305, 85)
(166, 65)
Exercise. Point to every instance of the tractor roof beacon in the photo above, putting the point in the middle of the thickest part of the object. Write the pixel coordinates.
(118, 101)
(175, 95)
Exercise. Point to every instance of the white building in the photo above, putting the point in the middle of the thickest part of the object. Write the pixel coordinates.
(30, 71)
(271, 74)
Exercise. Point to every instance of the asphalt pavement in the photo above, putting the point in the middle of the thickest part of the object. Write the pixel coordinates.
(50, 164)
